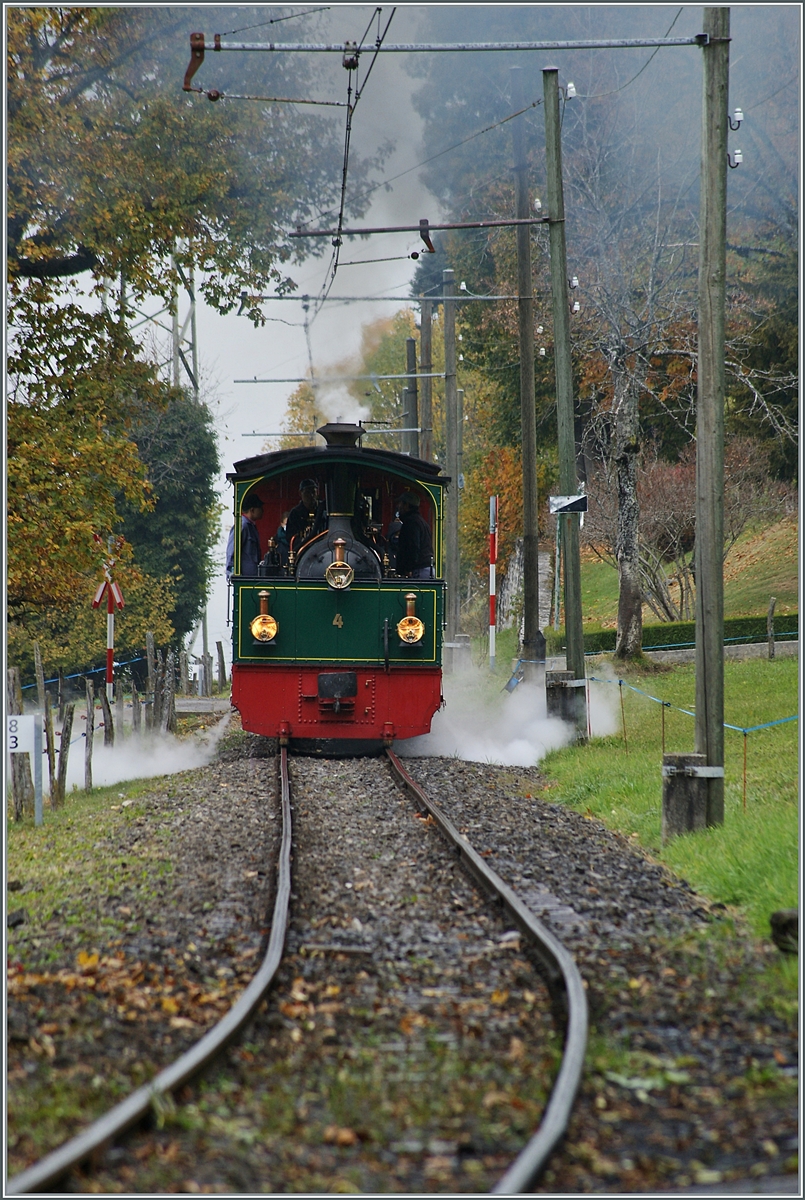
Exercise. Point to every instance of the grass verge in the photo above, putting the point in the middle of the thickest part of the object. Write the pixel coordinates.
(751, 861)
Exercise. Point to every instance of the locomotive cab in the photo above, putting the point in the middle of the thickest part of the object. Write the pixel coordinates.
(333, 650)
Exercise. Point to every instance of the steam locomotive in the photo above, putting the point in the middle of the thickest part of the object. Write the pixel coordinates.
(333, 652)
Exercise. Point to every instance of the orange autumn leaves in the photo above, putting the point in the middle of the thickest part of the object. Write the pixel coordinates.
(138, 991)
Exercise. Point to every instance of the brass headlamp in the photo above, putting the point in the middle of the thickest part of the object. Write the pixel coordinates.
(264, 627)
(339, 574)
(410, 628)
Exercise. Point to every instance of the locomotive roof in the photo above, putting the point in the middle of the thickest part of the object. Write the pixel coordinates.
(316, 456)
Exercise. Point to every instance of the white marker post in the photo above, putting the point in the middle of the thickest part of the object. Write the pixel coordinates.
(24, 736)
(493, 558)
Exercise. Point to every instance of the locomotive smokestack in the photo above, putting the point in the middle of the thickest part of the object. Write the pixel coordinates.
(338, 435)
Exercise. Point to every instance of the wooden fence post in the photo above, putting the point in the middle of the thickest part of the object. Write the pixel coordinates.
(184, 673)
(150, 687)
(156, 697)
(64, 752)
(22, 786)
(221, 667)
(119, 708)
(108, 723)
(40, 676)
(770, 625)
(168, 717)
(90, 736)
(136, 710)
(50, 744)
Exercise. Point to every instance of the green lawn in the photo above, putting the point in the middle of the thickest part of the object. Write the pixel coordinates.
(761, 564)
(752, 860)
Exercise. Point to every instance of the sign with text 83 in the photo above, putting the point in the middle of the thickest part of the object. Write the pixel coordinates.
(20, 734)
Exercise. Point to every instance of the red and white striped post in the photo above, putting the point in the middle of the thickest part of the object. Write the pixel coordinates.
(493, 558)
(114, 599)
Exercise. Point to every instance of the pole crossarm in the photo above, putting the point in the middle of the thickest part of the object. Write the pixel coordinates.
(342, 378)
(459, 298)
(699, 39)
(300, 233)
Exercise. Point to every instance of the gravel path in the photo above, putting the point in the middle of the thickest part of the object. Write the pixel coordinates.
(407, 1046)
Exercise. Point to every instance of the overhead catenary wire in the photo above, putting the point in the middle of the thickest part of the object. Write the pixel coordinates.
(614, 92)
(215, 95)
(276, 20)
(325, 212)
(351, 107)
(765, 99)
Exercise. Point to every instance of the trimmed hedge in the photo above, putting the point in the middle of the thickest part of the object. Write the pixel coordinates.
(671, 634)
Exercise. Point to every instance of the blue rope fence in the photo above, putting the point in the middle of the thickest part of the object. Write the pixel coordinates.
(83, 674)
(745, 730)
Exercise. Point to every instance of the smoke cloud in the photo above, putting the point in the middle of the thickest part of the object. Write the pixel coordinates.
(338, 405)
(510, 729)
(145, 757)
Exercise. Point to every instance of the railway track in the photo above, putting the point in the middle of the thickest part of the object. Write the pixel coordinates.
(557, 968)
(564, 982)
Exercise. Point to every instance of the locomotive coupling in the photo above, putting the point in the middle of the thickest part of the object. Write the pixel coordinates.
(264, 627)
(411, 629)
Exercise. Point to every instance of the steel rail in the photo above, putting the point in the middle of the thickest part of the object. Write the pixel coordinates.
(564, 982)
(103, 1132)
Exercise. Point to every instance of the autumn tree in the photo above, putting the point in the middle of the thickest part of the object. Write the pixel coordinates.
(114, 174)
(631, 177)
(667, 499)
(112, 167)
(70, 454)
(74, 380)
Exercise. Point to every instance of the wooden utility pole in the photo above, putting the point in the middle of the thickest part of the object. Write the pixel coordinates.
(460, 438)
(533, 650)
(451, 573)
(410, 441)
(426, 393)
(568, 480)
(710, 411)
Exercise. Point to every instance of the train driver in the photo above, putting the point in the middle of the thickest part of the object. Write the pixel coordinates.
(307, 519)
(415, 545)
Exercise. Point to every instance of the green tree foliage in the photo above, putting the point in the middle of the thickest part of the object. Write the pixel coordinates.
(112, 167)
(70, 453)
(75, 380)
(174, 541)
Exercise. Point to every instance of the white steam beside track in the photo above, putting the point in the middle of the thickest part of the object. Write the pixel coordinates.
(510, 729)
(506, 729)
(144, 757)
